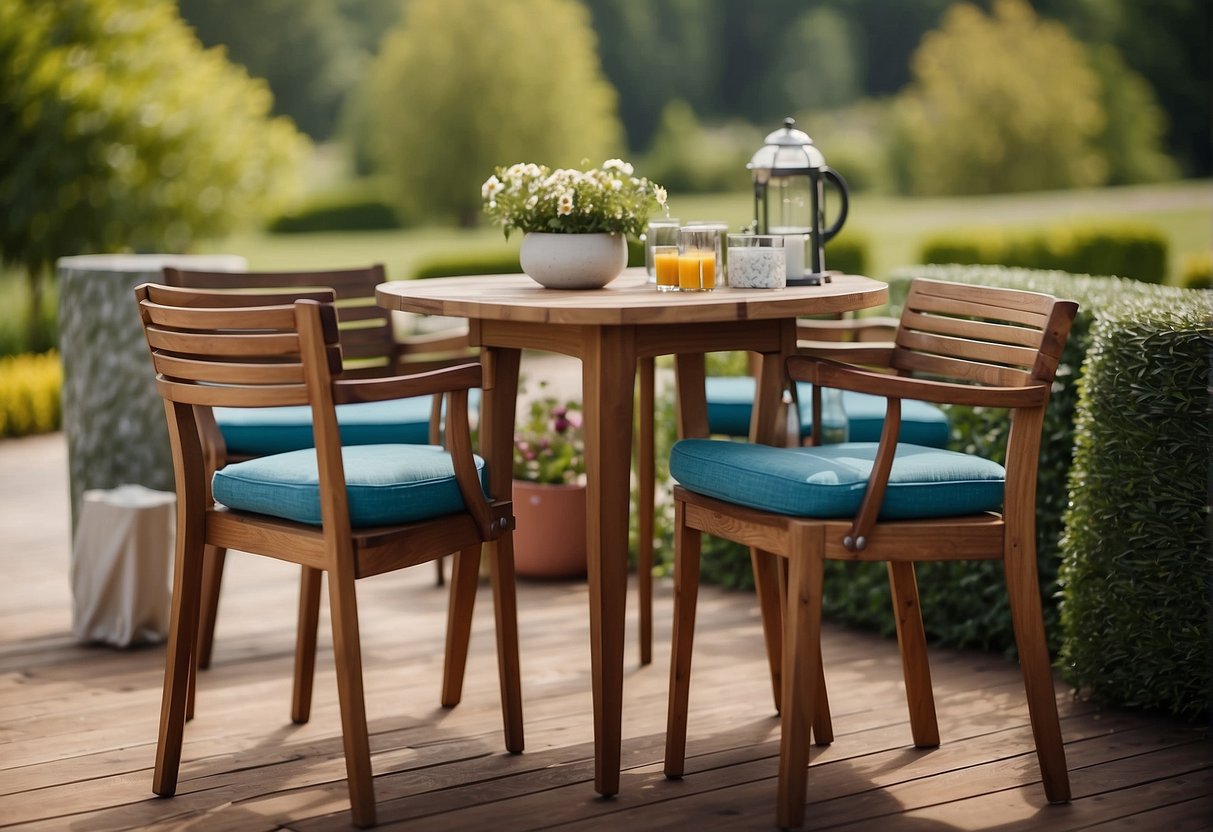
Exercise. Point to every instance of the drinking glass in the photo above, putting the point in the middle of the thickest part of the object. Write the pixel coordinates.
(757, 261)
(697, 259)
(660, 232)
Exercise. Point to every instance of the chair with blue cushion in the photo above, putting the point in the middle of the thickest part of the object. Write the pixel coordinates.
(369, 348)
(887, 500)
(353, 512)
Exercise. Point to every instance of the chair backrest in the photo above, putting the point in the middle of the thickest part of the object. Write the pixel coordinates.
(237, 350)
(368, 344)
(981, 334)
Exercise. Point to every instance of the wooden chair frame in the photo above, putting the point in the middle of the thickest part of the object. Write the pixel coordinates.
(219, 349)
(369, 349)
(979, 346)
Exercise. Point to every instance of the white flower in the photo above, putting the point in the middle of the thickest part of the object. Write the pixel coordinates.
(491, 188)
(532, 202)
(659, 194)
(565, 206)
(619, 165)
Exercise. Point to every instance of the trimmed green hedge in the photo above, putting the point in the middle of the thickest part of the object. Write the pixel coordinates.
(354, 207)
(1126, 251)
(848, 253)
(493, 261)
(30, 394)
(1137, 569)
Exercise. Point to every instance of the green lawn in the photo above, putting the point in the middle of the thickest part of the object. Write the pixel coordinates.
(894, 227)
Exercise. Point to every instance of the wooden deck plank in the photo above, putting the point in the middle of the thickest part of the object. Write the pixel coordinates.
(77, 723)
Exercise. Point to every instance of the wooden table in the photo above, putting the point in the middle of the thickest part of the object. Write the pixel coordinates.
(610, 330)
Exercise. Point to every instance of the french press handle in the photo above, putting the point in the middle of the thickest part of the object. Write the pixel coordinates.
(833, 176)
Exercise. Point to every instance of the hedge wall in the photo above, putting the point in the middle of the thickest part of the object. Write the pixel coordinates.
(1137, 567)
(1127, 251)
(30, 394)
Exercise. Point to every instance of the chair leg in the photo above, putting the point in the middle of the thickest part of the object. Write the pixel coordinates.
(767, 579)
(646, 473)
(505, 610)
(687, 542)
(912, 640)
(179, 656)
(823, 725)
(305, 644)
(212, 580)
(1028, 621)
(347, 654)
(465, 574)
(801, 662)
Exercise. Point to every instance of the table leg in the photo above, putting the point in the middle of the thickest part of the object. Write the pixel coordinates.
(645, 503)
(608, 377)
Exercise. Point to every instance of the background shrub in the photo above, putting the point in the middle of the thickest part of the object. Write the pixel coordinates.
(848, 253)
(355, 207)
(1198, 272)
(1137, 570)
(502, 260)
(29, 394)
(1126, 251)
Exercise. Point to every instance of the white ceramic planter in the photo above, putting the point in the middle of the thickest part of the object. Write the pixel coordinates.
(573, 261)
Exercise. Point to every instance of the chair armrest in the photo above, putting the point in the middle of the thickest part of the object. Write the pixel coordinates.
(827, 373)
(869, 353)
(873, 328)
(462, 377)
(447, 340)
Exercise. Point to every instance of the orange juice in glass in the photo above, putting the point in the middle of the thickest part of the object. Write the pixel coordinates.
(665, 267)
(696, 260)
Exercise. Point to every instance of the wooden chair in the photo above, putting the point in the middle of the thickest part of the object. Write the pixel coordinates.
(350, 511)
(730, 403)
(898, 503)
(369, 348)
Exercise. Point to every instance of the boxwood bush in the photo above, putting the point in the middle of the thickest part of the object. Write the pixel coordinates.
(1126, 251)
(357, 206)
(1137, 567)
(503, 260)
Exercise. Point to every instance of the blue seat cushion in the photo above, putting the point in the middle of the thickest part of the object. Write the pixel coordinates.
(829, 481)
(731, 399)
(256, 431)
(385, 484)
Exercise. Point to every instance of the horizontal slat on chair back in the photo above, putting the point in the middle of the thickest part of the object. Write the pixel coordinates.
(207, 353)
(976, 333)
(354, 290)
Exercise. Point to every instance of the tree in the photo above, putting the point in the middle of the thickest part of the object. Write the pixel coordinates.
(304, 49)
(464, 86)
(1000, 103)
(119, 133)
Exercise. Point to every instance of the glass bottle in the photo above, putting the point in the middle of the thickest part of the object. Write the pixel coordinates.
(834, 425)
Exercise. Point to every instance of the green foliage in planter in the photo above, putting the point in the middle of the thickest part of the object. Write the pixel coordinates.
(1127, 251)
(1137, 568)
(29, 394)
(502, 260)
(964, 604)
(356, 207)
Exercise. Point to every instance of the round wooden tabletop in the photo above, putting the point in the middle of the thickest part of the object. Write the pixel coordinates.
(629, 299)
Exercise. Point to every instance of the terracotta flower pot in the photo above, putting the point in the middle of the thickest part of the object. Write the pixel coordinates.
(549, 536)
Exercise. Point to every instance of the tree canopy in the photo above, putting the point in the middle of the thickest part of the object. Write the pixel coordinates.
(463, 86)
(305, 49)
(1005, 102)
(118, 132)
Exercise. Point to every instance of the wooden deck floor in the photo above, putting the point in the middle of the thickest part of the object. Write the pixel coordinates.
(78, 723)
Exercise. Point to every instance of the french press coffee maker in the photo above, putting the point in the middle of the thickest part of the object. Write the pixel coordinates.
(789, 199)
